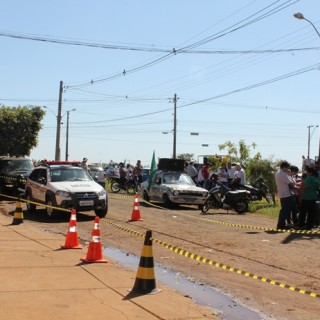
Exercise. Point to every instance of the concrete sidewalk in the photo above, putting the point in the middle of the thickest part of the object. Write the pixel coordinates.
(38, 280)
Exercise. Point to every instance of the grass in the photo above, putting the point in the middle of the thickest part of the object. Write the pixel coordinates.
(263, 208)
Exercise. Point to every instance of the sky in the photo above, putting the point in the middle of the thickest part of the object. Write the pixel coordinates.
(241, 70)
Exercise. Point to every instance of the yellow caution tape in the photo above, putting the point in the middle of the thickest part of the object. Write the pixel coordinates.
(202, 259)
(260, 228)
(36, 203)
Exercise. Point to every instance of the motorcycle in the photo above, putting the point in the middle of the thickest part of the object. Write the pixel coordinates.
(222, 197)
(258, 190)
(129, 185)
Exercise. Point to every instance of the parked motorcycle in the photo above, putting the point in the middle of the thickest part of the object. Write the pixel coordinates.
(127, 185)
(222, 197)
(258, 191)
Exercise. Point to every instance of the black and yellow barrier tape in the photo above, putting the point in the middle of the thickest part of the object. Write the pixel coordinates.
(113, 196)
(220, 265)
(260, 228)
(35, 203)
(120, 196)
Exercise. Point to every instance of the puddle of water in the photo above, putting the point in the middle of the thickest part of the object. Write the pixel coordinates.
(223, 306)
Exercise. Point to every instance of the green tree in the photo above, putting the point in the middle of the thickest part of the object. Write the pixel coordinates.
(186, 156)
(255, 167)
(19, 129)
(239, 153)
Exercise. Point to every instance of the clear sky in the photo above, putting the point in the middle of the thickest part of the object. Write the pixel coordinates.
(240, 69)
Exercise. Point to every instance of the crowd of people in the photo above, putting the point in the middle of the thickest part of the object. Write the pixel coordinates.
(226, 173)
(298, 198)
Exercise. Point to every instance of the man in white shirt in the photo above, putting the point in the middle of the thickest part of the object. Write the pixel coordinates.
(240, 174)
(284, 184)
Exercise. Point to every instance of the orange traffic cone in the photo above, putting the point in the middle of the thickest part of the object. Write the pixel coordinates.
(72, 235)
(135, 216)
(94, 253)
(18, 214)
(145, 279)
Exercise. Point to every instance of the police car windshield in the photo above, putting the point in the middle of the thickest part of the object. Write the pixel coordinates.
(69, 174)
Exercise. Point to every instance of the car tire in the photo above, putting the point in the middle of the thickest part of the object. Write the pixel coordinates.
(146, 196)
(31, 207)
(166, 201)
(101, 213)
(51, 212)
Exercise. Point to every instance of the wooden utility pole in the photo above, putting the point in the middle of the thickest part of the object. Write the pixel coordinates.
(174, 154)
(57, 155)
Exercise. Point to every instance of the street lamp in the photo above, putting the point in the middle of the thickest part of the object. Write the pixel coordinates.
(67, 134)
(300, 16)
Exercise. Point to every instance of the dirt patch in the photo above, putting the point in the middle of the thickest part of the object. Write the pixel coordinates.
(219, 241)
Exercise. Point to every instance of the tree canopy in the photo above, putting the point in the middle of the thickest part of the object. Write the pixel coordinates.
(19, 129)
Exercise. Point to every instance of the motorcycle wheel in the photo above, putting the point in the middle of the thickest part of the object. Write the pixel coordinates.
(269, 198)
(241, 206)
(115, 187)
(131, 189)
(207, 205)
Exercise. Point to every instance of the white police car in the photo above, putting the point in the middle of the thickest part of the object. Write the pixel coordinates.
(63, 185)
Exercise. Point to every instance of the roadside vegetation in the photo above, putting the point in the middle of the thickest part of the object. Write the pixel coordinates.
(263, 208)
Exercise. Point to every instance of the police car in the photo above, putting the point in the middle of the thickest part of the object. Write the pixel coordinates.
(63, 184)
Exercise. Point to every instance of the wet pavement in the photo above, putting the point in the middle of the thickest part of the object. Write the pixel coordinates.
(222, 305)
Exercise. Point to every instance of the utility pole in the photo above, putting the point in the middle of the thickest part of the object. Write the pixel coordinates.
(57, 155)
(174, 155)
(67, 137)
(67, 134)
(309, 138)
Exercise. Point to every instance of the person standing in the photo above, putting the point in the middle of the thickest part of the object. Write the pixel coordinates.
(84, 164)
(223, 174)
(192, 171)
(283, 183)
(205, 174)
(240, 174)
(231, 171)
(309, 197)
(294, 214)
(137, 171)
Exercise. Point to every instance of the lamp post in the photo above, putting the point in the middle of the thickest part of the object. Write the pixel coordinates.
(300, 16)
(67, 134)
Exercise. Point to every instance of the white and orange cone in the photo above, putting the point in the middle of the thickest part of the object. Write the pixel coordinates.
(135, 215)
(94, 253)
(72, 241)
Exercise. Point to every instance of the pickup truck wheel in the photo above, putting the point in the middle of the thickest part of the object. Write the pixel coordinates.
(51, 212)
(31, 207)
